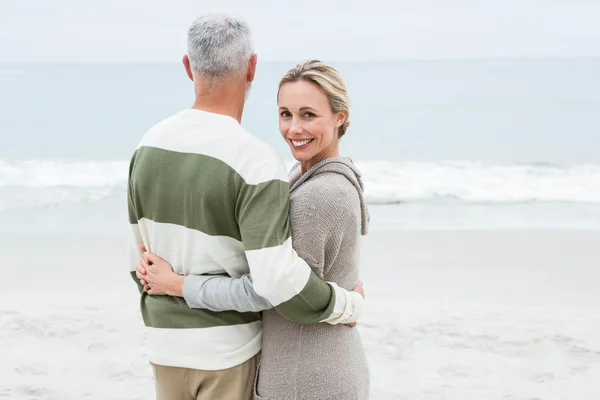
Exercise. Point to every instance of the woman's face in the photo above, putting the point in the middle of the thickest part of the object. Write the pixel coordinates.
(306, 121)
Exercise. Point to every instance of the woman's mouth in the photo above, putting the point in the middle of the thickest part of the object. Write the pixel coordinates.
(301, 144)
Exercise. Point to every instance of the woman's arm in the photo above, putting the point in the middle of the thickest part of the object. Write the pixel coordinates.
(221, 293)
(215, 293)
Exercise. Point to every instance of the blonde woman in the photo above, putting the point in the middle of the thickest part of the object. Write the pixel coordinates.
(328, 215)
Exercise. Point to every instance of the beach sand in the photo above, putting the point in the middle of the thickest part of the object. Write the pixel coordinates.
(451, 314)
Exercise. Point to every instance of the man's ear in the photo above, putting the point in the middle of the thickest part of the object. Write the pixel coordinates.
(188, 69)
(251, 68)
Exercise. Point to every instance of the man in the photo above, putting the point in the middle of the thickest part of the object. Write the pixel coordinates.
(210, 198)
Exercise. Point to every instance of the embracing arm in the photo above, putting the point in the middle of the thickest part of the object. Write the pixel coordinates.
(221, 293)
(317, 239)
(278, 274)
(211, 292)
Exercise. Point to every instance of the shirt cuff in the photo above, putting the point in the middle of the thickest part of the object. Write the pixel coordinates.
(348, 306)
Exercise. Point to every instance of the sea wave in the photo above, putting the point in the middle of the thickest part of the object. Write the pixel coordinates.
(11, 72)
(389, 182)
(7, 75)
(47, 174)
(40, 183)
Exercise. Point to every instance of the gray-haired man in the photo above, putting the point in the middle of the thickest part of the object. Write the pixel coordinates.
(210, 198)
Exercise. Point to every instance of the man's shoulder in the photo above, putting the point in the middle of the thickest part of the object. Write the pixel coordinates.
(260, 161)
(222, 140)
(262, 150)
(159, 129)
(205, 129)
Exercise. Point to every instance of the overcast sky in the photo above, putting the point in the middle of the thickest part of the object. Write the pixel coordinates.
(154, 30)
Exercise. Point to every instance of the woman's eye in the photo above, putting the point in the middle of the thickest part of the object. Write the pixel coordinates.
(308, 114)
(285, 114)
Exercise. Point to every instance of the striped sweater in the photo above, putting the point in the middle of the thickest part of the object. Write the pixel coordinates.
(210, 198)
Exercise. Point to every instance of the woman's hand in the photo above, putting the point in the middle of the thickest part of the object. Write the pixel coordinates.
(158, 277)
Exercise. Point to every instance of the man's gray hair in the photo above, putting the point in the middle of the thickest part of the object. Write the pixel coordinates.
(219, 45)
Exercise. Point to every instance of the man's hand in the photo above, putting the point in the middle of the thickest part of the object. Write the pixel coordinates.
(358, 289)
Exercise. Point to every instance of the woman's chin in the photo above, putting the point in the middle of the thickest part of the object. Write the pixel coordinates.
(301, 155)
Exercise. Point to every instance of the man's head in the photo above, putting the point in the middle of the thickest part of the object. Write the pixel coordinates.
(220, 52)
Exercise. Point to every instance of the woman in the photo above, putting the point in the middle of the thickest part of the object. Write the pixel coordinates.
(327, 216)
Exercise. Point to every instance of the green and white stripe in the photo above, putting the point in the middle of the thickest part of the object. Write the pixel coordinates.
(206, 349)
(210, 198)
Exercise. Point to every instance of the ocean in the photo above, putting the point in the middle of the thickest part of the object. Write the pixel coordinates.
(480, 268)
(442, 144)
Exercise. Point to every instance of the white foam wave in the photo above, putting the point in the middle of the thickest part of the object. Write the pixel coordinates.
(11, 72)
(388, 182)
(51, 183)
(8, 75)
(47, 183)
(47, 174)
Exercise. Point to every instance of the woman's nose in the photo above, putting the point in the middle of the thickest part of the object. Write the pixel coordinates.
(295, 128)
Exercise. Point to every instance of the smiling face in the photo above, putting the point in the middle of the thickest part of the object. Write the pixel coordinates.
(307, 123)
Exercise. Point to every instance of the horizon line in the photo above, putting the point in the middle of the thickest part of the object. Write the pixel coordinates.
(275, 61)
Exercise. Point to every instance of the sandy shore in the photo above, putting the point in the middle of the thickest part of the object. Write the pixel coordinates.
(492, 314)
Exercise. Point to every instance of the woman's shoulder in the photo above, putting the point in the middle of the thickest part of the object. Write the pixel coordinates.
(332, 190)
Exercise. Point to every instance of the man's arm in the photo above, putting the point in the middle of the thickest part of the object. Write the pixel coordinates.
(311, 240)
(279, 274)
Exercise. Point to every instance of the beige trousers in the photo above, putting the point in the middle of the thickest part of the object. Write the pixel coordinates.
(174, 383)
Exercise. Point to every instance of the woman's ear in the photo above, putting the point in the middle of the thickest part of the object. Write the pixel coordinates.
(341, 117)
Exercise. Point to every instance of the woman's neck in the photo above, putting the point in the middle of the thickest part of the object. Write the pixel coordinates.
(326, 154)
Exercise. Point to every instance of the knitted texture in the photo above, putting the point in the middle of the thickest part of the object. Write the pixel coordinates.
(320, 362)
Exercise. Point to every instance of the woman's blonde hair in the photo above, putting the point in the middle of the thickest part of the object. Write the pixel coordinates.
(328, 79)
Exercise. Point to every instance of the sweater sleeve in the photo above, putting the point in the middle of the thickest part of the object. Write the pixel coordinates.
(280, 275)
(221, 293)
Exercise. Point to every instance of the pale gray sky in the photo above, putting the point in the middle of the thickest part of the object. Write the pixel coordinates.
(154, 30)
